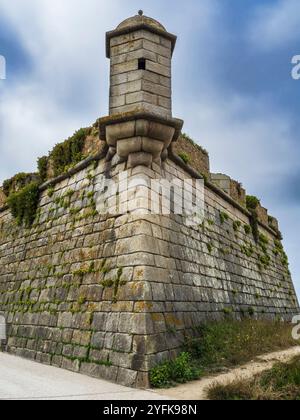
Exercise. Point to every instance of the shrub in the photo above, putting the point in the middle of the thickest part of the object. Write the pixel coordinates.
(42, 164)
(252, 202)
(17, 182)
(160, 376)
(68, 153)
(180, 370)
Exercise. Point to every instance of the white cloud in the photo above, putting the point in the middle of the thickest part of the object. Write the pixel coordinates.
(275, 25)
(68, 88)
(246, 137)
(28, 129)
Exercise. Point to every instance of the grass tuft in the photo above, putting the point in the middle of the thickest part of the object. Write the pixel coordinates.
(219, 345)
(282, 382)
(231, 343)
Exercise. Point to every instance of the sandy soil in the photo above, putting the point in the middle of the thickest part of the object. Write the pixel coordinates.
(197, 390)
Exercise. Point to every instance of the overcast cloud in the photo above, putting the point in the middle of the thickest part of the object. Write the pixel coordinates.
(231, 84)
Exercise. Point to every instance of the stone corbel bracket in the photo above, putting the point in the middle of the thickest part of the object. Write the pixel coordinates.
(139, 138)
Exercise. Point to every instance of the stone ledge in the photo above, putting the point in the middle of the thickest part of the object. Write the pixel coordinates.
(142, 26)
(139, 114)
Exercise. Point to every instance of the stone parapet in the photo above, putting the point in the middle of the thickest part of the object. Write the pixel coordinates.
(231, 187)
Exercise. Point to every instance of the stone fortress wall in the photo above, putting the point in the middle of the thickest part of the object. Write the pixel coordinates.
(111, 294)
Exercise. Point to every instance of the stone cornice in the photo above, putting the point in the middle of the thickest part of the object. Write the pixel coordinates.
(142, 26)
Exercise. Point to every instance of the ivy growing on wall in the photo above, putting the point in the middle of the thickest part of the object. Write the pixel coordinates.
(252, 203)
(22, 190)
(23, 204)
(64, 155)
(17, 182)
(42, 163)
(69, 153)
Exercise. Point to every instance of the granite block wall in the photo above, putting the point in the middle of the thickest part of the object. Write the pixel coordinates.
(110, 295)
(140, 73)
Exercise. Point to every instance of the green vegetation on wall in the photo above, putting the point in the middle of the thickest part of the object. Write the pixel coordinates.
(22, 190)
(185, 157)
(252, 204)
(69, 153)
(23, 204)
(223, 217)
(17, 182)
(42, 164)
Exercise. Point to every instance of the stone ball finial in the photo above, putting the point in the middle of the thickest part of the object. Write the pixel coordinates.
(141, 12)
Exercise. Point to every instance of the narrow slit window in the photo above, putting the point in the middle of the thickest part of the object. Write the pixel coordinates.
(142, 64)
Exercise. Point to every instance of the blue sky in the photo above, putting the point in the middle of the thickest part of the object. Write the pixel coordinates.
(231, 84)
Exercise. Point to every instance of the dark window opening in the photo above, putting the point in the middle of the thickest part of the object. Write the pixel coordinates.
(142, 64)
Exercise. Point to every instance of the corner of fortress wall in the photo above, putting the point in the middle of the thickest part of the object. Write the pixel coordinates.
(112, 295)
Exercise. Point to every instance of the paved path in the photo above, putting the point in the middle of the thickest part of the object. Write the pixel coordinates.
(23, 379)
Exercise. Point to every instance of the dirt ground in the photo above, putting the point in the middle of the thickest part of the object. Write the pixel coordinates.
(197, 390)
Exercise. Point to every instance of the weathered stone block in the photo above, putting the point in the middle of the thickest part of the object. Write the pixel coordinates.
(158, 69)
(122, 342)
(141, 97)
(126, 88)
(127, 377)
(117, 101)
(158, 49)
(123, 67)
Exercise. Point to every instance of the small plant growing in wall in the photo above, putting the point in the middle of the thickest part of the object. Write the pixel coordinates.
(223, 217)
(251, 311)
(50, 192)
(247, 229)
(227, 311)
(185, 157)
(265, 260)
(236, 225)
(209, 248)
